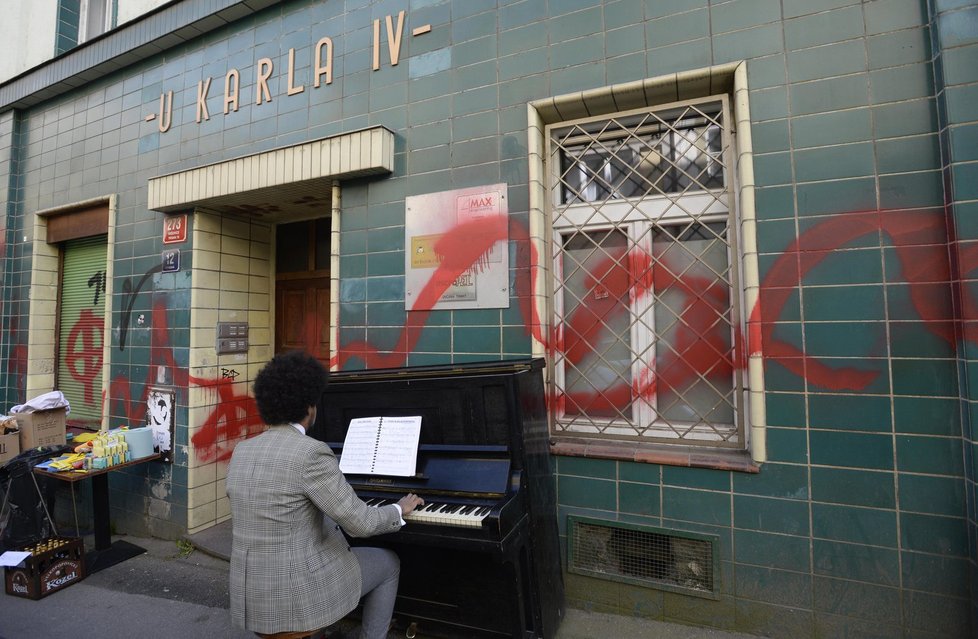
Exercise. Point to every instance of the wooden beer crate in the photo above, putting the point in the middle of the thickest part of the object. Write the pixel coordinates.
(55, 563)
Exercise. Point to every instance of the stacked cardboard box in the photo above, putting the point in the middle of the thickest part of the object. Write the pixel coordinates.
(9, 439)
(41, 428)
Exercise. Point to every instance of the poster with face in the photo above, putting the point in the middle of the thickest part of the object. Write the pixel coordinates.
(159, 414)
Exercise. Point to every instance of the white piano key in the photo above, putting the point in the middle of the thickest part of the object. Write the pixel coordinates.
(440, 513)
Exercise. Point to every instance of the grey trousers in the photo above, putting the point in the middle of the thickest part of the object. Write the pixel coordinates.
(380, 570)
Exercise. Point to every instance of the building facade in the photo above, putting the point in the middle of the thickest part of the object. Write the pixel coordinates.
(740, 234)
(36, 32)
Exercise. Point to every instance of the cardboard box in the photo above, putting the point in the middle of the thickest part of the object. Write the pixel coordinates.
(56, 563)
(41, 428)
(9, 446)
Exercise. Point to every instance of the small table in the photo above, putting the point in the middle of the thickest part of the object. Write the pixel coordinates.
(107, 553)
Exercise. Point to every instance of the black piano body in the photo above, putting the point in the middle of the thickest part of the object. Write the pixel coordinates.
(484, 448)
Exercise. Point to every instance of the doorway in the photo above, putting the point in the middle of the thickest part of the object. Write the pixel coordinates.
(302, 261)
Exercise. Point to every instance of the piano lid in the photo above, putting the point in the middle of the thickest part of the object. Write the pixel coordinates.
(495, 367)
(461, 405)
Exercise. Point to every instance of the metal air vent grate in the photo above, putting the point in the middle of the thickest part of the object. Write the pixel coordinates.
(674, 560)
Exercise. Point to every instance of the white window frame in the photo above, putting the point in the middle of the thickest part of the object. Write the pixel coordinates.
(657, 94)
(84, 34)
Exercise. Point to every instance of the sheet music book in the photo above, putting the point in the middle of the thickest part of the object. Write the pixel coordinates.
(382, 446)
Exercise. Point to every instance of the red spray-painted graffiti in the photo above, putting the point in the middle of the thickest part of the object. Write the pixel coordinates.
(701, 347)
(460, 248)
(919, 242)
(918, 239)
(17, 359)
(83, 352)
(234, 415)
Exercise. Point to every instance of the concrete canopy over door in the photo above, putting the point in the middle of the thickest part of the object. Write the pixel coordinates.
(276, 185)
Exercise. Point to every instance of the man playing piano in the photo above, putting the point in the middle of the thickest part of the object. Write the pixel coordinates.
(292, 569)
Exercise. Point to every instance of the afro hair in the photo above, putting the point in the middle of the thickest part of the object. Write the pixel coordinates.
(288, 385)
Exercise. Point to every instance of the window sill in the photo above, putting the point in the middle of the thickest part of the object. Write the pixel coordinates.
(667, 455)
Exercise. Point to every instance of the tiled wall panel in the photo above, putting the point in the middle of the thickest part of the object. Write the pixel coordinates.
(862, 522)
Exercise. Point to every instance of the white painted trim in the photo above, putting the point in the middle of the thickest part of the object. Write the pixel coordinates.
(109, 289)
(539, 232)
(757, 413)
(334, 277)
(45, 282)
(356, 154)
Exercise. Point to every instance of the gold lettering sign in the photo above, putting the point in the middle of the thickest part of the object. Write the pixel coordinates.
(232, 81)
(320, 73)
(202, 88)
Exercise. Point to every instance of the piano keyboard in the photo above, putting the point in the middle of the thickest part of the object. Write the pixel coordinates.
(440, 513)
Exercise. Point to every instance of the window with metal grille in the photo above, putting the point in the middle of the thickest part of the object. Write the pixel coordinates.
(646, 292)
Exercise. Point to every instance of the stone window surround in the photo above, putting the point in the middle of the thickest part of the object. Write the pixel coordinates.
(728, 78)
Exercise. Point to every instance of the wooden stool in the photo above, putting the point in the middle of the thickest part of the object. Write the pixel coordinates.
(289, 634)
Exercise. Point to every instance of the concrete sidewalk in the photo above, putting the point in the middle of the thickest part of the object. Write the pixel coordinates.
(162, 593)
(171, 593)
(578, 624)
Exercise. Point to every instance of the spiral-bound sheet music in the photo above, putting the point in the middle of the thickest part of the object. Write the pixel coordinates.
(381, 446)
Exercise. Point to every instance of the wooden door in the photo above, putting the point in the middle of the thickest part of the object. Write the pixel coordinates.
(302, 287)
(302, 315)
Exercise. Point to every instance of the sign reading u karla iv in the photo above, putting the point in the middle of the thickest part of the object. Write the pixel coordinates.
(320, 73)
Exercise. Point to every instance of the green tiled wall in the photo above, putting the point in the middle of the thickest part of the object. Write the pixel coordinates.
(16, 267)
(66, 35)
(948, 550)
(859, 524)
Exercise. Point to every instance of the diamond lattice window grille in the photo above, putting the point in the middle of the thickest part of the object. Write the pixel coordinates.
(646, 289)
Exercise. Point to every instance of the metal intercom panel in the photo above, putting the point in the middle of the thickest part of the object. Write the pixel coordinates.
(232, 337)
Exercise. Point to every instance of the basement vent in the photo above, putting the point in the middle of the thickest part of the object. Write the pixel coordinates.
(674, 560)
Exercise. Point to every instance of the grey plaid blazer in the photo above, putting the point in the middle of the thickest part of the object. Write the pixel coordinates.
(291, 566)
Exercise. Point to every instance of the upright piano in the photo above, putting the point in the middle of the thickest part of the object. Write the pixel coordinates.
(481, 558)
